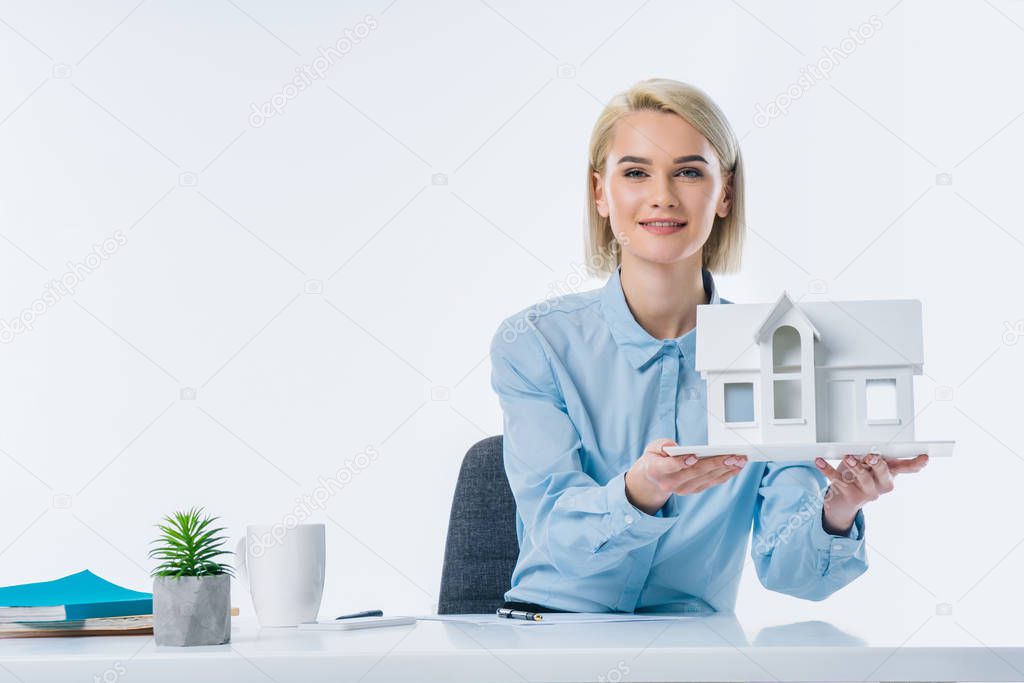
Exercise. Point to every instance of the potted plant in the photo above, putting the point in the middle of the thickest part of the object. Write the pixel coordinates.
(191, 589)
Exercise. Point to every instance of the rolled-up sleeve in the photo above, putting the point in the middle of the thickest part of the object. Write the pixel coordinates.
(585, 527)
(791, 550)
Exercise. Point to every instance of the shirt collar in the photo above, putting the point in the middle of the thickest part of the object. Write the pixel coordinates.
(638, 345)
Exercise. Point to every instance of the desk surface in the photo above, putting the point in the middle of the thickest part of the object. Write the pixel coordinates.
(710, 648)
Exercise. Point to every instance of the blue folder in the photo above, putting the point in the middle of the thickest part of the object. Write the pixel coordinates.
(82, 595)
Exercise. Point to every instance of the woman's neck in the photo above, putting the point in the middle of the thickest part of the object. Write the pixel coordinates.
(663, 298)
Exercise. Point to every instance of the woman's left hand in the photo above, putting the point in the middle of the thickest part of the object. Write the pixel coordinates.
(858, 481)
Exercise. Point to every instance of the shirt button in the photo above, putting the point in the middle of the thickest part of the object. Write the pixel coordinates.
(628, 519)
(837, 546)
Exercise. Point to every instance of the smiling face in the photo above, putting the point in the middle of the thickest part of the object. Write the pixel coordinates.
(661, 187)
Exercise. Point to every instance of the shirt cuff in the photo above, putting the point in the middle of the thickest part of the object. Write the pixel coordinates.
(838, 546)
(627, 517)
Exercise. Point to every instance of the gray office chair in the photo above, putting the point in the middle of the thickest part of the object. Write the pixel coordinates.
(481, 550)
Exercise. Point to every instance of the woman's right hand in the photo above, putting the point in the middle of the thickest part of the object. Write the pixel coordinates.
(656, 475)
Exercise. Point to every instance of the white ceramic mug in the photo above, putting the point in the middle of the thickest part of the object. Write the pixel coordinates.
(284, 569)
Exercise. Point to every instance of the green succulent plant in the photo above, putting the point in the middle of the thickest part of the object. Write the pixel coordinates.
(189, 547)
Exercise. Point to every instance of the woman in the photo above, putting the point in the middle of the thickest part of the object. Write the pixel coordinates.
(605, 524)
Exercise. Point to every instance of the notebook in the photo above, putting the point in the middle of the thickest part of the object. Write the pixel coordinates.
(74, 597)
(139, 625)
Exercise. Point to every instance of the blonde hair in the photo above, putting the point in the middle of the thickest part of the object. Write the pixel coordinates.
(723, 249)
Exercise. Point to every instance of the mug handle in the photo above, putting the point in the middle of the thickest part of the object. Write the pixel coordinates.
(240, 553)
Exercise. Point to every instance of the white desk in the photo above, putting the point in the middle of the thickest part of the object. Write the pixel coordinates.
(716, 648)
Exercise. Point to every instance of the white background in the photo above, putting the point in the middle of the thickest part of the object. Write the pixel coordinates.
(104, 113)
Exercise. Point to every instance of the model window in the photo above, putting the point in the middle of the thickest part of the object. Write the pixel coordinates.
(881, 399)
(786, 377)
(787, 399)
(739, 402)
(786, 349)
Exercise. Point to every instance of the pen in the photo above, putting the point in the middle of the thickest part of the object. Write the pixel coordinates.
(518, 614)
(368, 613)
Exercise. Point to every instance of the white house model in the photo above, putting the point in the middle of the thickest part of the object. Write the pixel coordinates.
(817, 372)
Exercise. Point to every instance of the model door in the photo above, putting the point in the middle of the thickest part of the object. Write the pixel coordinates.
(841, 410)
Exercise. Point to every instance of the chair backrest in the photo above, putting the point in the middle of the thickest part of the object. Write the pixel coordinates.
(481, 550)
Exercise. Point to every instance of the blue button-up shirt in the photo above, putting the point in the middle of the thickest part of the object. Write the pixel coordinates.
(584, 388)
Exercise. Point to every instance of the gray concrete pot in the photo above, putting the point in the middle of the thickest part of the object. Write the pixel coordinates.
(192, 610)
